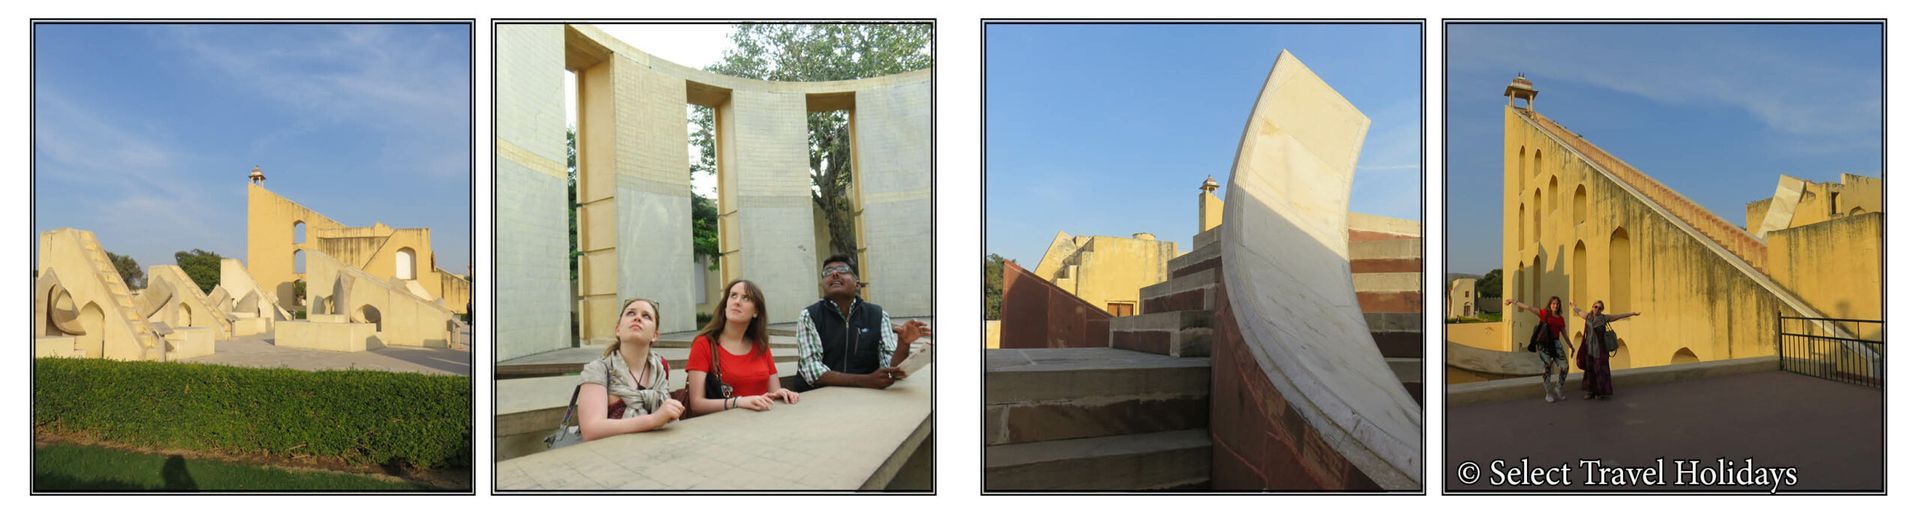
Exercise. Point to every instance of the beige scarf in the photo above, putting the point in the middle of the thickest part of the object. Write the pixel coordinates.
(639, 400)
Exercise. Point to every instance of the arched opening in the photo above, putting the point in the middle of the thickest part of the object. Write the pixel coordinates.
(1520, 172)
(299, 261)
(1856, 211)
(1619, 272)
(1536, 161)
(93, 325)
(1578, 295)
(403, 262)
(299, 232)
(1539, 294)
(1579, 204)
(1520, 229)
(1684, 356)
(1520, 283)
(369, 314)
(185, 315)
(1553, 195)
(1536, 218)
(1623, 358)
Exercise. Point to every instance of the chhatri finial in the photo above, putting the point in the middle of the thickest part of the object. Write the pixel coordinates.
(256, 176)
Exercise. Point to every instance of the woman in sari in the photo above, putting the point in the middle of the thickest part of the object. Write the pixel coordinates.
(630, 377)
(1595, 357)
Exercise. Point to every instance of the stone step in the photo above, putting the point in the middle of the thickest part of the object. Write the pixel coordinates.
(1016, 376)
(1389, 302)
(1393, 282)
(1205, 238)
(1171, 460)
(1193, 292)
(1384, 256)
(1028, 422)
(1175, 320)
(1174, 334)
(1398, 344)
(1203, 259)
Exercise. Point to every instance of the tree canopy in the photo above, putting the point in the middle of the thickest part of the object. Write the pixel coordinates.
(129, 270)
(820, 52)
(202, 266)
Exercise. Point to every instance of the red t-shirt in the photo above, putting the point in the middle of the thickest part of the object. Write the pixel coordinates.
(1555, 324)
(747, 374)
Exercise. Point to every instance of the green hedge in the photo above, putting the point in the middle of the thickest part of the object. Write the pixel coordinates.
(364, 417)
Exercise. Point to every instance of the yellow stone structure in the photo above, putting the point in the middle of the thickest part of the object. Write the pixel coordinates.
(1107, 271)
(1460, 298)
(633, 210)
(1583, 225)
(1210, 205)
(282, 236)
(82, 308)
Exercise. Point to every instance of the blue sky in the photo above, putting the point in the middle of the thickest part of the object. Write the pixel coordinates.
(1110, 129)
(144, 134)
(1716, 112)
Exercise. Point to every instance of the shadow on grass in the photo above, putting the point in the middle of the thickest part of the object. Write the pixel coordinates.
(73, 468)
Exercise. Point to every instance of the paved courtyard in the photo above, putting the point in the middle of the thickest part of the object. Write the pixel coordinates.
(259, 352)
(1833, 434)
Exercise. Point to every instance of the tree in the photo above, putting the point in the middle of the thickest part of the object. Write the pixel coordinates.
(300, 292)
(573, 211)
(129, 270)
(820, 52)
(1488, 286)
(994, 275)
(202, 266)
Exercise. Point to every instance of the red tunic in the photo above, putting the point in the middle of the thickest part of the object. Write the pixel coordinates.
(747, 374)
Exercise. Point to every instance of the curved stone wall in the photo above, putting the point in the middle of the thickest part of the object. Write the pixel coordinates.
(1334, 416)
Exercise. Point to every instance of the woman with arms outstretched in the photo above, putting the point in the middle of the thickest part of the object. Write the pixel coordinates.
(1552, 357)
(1595, 357)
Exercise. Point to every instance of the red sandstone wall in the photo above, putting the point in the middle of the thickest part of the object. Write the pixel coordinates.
(1036, 314)
(1259, 441)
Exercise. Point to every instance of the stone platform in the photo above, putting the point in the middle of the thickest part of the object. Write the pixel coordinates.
(257, 351)
(835, 439)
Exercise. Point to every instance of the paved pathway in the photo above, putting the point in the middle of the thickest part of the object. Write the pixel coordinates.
(259, 352)
(1833, 433)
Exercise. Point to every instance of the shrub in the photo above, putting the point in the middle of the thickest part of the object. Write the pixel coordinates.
(362, 417)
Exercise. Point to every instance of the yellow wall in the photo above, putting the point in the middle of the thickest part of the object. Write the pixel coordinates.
(1691, 297)
(270, 244)
(1104, 270)
(1834, 266)
(374, 249)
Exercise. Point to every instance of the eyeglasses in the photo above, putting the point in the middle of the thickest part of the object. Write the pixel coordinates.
(838, 268)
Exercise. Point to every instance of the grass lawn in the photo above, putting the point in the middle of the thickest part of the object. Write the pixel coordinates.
(67, 467)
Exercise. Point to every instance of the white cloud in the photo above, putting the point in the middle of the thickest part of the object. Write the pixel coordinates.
(1791, 91)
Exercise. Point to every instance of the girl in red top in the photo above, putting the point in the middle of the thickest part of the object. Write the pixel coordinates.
(1552, 357)
(738, 335)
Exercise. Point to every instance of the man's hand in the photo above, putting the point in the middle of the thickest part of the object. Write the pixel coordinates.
(912, 331)
(881, 378)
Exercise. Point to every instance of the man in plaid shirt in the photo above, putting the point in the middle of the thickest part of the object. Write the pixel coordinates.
(848, 342)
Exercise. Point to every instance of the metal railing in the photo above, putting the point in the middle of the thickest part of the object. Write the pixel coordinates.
(1842, 350)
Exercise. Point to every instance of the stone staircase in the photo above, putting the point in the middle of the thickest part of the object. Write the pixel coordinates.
(122, 297)
(1386, 278)
(1096, 419)
(1130, 417)
(1134, 416)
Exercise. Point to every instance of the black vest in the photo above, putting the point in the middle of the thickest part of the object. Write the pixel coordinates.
(848, 345)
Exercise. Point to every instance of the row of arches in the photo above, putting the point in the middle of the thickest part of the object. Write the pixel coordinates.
(1527, 227)
(404, 261)
(1530, 281)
